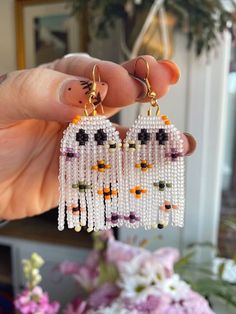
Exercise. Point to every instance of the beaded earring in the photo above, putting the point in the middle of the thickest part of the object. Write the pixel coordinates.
(90, 174)
(153, 169)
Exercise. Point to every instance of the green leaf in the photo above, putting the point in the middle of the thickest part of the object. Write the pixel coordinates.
(184, 261)
(107, 273)
(234, 258)
(221, 269)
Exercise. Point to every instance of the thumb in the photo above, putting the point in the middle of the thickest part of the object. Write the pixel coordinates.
(44, 94)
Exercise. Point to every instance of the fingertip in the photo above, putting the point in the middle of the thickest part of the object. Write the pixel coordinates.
(102, 88)
(122, 130)
(75, 91)
(173, 69)
(190, 144)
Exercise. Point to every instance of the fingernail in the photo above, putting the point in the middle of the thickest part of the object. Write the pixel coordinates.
(190, 144)
(74, 92)
(175, 71)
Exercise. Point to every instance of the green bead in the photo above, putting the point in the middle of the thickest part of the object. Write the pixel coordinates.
(169, 185)
(75, 185)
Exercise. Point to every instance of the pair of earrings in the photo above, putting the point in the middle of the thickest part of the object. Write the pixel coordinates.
(106, 183)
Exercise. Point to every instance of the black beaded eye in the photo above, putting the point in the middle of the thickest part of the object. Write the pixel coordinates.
(143, 136)
(100, 137)
(162, 136)
(81, 137)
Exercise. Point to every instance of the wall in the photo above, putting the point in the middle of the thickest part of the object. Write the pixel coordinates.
(7, 36)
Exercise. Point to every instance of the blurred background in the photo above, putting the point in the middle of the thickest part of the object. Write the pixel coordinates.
(199, 37)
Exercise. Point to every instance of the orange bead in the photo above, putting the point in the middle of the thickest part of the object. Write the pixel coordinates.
(138, 188)
(94, 167)
(150, 166)
(82, 209)
(162, 207)
(132, 190)
(108, 166)
(144, 190)
(175, 206)
(101, 169)
(164, 117)
(75, 121)
(167, 122)
(100, 192)
(138, 195)
(144, 169)
(106, 190)
(114, 192)
(107, 197)
(137, 165)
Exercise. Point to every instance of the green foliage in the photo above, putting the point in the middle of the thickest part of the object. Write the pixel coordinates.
(202, 21)
(107, 273)
(204, 281)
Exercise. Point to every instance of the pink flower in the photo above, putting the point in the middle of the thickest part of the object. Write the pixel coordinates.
(196, 304)
(103, 296)
(153, 304)
(85, 275)
(118, 252)
(35, 301)
(68, 268)
(167, 257)
(78, 306)
(87, 278)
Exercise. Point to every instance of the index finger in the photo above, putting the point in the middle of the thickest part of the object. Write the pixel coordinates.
(123, 90)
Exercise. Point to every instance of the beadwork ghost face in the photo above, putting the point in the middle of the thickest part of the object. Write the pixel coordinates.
(91, 182)
(154, 180)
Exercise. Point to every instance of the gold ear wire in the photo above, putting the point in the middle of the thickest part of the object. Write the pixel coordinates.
(93, 92)
(150, 93)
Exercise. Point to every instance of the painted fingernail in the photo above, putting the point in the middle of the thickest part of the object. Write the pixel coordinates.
(74, 92)
(175, 71)
(190, 144)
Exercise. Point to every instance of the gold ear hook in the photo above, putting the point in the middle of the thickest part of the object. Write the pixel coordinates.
(150, 93)
(93, 92)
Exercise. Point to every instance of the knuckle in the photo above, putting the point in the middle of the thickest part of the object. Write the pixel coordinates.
(25, 85)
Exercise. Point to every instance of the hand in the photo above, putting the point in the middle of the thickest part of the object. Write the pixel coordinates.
(36, 106)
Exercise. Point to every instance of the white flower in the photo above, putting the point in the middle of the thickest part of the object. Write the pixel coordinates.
(175, 288)
(154, 271)
(134, 266)
(137, 287)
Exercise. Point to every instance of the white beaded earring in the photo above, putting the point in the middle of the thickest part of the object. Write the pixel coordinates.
(153, 169)
(90, 173)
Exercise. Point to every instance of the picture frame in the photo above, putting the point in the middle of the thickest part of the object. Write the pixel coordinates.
(46, 30)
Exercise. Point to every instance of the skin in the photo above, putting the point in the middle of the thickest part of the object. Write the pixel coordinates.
(36, 106)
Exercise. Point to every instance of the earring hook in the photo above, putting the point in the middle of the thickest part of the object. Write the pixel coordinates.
(147, 67)
(93, 91)
(150, 93)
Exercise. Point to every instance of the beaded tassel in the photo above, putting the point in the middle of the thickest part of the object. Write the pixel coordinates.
(90, 175)
(153, 174)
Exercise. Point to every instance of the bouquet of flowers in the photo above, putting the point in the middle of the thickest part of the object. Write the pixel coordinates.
(117, 278)
(33, 300)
